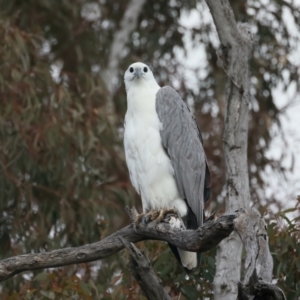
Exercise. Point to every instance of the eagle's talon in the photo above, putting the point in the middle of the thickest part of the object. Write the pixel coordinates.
(166, 214)
(146, 219)
(155, 215)
(138, 220)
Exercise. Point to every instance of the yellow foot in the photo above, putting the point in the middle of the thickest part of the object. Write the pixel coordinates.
(154, 215)
(145, 218)
(164, 212)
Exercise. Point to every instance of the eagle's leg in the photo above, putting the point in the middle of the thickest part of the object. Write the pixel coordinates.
(157, 215)
(164, 212)
(147, 217)
(172, 217)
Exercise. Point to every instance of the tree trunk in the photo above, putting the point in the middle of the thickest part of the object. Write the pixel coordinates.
(236, 44)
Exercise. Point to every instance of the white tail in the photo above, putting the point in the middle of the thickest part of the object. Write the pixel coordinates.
(188, 259)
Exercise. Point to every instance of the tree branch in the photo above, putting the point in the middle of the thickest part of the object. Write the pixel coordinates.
(200, 240)
(121, 37)
(142, 271)
(251, 228)
(259, 290)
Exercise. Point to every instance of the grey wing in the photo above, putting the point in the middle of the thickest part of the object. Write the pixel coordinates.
(182, 141)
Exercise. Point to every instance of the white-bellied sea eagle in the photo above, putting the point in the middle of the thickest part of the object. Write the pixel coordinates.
(164, 152)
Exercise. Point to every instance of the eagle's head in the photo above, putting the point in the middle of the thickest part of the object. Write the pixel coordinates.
(138, 74)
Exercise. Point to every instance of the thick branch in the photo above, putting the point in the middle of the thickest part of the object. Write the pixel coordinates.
(251, 228)
(200, 240)
(259, 290)
(257, 284)
(142, 271)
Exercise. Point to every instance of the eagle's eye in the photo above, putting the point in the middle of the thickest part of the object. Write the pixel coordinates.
(145, 69)
(131, 69)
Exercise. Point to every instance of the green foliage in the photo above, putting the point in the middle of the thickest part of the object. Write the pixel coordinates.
(63, 178)
(55, 286)
(284, 234)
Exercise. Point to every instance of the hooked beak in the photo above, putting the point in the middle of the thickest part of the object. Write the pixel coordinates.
(138, 72)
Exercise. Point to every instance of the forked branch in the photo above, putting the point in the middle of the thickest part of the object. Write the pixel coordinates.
(200, 240)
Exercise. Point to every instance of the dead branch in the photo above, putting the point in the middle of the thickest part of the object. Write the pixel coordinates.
(257, 284)
(200, 240)
(249, 225)
(259, 289)
(142, 271)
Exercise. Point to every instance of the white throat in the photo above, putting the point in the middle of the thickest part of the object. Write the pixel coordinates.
(141, 96)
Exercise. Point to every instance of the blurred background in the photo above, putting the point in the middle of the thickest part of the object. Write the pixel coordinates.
(63, 177)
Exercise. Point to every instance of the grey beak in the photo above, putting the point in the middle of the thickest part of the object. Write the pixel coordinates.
(138, 72)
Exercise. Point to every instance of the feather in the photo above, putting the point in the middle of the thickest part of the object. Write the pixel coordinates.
(182, 141)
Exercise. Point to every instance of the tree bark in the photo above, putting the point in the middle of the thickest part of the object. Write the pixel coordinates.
(236, 44)
(200, 240)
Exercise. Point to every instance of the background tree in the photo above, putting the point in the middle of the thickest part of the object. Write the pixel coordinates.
(63, 177)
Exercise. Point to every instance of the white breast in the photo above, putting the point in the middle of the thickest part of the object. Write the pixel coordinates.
(150, 168)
